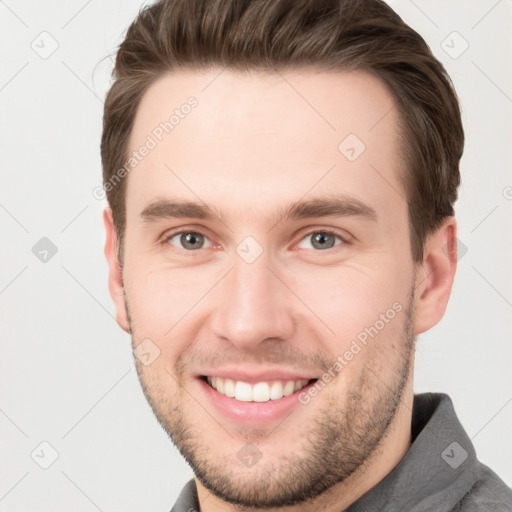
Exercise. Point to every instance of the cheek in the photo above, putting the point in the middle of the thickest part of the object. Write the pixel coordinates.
(366, 314)
(162, 301)
(351, 297)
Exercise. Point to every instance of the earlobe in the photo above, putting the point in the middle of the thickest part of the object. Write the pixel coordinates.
(115, 271)
(435, 279)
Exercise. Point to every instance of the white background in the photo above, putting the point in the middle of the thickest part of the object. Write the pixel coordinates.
(67, 372)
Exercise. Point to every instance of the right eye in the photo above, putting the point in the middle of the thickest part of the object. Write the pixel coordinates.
(189, 241)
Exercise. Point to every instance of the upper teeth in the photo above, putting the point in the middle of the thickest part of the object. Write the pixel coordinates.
(259, 392)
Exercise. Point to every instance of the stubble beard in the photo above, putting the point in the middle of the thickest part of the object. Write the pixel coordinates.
(342, 437)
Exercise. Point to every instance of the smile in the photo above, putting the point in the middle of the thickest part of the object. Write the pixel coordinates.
(258, 392)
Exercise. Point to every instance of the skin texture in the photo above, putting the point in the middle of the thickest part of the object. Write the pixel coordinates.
(254, 143)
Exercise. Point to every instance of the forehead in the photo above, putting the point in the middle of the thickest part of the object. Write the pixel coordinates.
(240, 141)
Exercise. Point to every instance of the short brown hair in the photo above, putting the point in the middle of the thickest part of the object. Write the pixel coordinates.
(271, 35)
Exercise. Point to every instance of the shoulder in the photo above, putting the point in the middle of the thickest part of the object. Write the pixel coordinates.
(489, 493)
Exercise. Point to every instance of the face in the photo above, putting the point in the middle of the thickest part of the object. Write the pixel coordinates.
(293, 265)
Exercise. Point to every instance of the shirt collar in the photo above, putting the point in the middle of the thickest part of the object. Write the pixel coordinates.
(440, 456)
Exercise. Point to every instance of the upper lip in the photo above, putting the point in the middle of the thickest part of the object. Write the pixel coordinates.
(268, 375)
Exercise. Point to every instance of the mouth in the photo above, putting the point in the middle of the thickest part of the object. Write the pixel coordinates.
(263, 391)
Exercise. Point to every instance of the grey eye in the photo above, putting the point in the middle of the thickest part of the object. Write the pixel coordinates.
(189, 240)
(322, 240)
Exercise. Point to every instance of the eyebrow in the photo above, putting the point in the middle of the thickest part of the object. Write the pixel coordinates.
(329, 206)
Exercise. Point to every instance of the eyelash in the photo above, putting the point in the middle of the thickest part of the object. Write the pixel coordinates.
(168, 236)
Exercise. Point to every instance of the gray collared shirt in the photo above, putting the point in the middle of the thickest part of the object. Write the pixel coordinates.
(439, 473)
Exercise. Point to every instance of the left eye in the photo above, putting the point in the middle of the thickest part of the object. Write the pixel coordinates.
(322, 239)
(190, 240)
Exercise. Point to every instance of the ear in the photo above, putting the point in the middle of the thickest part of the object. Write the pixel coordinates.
(435, 278)
(115, 271)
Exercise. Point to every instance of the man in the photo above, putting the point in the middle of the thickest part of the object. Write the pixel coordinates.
(310, 152)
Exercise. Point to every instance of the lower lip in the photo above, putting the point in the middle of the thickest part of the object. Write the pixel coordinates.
(252, 412)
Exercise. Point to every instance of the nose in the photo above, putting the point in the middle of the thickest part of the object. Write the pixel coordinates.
(253, 305)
